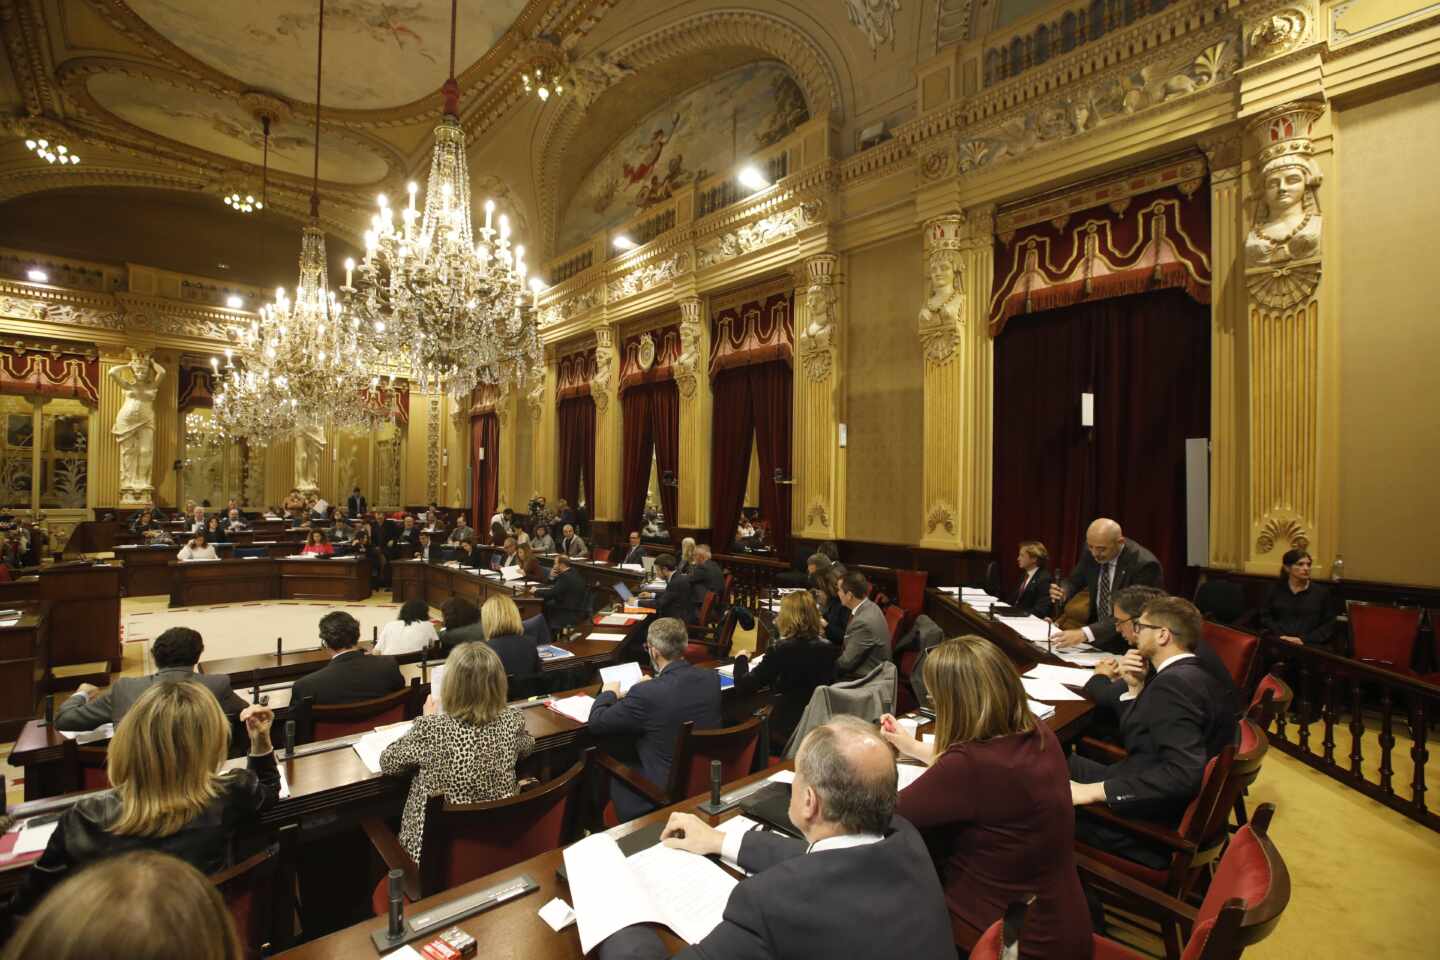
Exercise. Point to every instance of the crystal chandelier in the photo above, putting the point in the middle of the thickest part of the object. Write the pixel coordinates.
(451, 312)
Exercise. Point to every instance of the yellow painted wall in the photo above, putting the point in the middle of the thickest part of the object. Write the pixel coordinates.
(885, 391)
(1389, 337)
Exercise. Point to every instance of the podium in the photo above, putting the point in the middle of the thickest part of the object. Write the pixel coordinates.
(81, 603)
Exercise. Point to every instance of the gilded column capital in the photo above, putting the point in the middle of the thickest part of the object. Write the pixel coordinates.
(942, 317)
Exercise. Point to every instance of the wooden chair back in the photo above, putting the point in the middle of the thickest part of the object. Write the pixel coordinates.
(1227, 776)
(741, 750)
(894, 614)
(910, 590)
(260, 894)
(1236, 649)
(1383, 635)
(601, 554)
(326, 722)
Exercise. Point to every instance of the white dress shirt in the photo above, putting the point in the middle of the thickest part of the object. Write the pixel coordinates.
(1127, 695)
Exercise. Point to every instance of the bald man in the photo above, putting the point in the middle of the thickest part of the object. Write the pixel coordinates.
(858, 884)
(1108, 563)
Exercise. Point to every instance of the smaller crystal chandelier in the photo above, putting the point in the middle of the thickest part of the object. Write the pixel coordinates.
(545, 72)
(51, 152)
(246, 204)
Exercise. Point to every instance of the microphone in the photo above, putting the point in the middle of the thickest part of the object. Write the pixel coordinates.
(289, 738)
(278, 643)
(397, 904)
(715, 805)
(49, 710)
(742, 667)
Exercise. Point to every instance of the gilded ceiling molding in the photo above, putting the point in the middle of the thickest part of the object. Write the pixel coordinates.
(20, 19)
(875, 19)
(126, 314)
(1187, 170)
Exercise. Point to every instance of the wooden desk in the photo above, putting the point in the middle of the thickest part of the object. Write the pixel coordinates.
(435, 583)
(22, 671)
(194, 582)
(81, 603)
(956, 619)
(20, 592)
(332, 578)
(147, 571)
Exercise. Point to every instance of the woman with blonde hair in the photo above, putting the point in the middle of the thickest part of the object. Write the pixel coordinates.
(801, 661)
(168, 792)
(466, 744)
(505, 632)
(995, 801)
(687, 555)
(68, 926)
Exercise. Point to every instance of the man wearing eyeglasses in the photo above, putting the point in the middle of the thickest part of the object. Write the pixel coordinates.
(1109, 563)
(1171, 724)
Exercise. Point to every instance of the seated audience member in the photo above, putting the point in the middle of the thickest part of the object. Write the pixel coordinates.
(801, 660)
(143, 521)
(564, 513)
(466, 744)
(472, 556)
(706, 575)
(462, 623)
(1034, 593)
(858, 885)
(678, 598)
(37, 542)
(462, 531)
(407, 536)
(194, 914)
(197, 549)
(167, 789)
(426, 552)
(994, 803)
(234, 522)
(525, 560)
(652, 712)
(867, 636)
(570, 543)
(351, 674)
(825, 589)
(744, 530)
(634, 553)
(505, 633)
(1297, 610)
(1169, 734)
(502, 525)
(197, 519)
(507, 555)
(567, 598)
(687, 554)
(317, 546)
(361, 545)
(340, 528)
(542, 542)
(175, 652)
(432, 520)
(1108, 563)
(215, 531)
(411, 633)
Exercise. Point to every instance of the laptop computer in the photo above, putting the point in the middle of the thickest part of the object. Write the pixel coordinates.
(625, 595)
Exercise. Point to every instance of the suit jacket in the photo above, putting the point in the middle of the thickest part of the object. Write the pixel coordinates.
(348, 677)
(1035, 596)
(867, 642)
(405, 537)
(794, 667)
(566, 599)
(452, 637)
(1135, 565)
(635, 554)
(518, 653)
(575, 547)
(708, 577)
(113, 704)
(356, 506)
(677, 599)
(859, 903)
(653, 712)
(1170, 731)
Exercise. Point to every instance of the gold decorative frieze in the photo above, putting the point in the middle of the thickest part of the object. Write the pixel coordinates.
(648, 275)
(1187, 170)
(1281, 530)
(1278, 32)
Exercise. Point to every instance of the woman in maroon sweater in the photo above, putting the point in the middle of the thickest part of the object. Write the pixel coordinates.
(995, 804)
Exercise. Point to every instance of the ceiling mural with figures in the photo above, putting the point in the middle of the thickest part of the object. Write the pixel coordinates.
(707, 130)
(378, 53)
(224, 126)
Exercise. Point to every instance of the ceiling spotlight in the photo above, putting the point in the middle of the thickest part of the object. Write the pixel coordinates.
(623, 242)
(37, 275)
(234, 302)
(751, 178)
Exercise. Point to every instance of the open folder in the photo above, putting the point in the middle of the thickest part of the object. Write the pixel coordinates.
(684, 891)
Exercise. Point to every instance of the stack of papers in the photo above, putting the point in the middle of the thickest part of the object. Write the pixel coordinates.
(33, 839)
(608, 637)
(577, 708)
(625, 674)
(1073, 676)
(1040, 689)
(614, 620)
(729, 669)
(370, 746)
(1042, 711)
(1031, 628)
(683, 891)
(908, 773)
(103, 732)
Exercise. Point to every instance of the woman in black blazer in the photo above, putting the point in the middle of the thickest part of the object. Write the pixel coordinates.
(169, 794)
(801, 661)
(505, 632)
(1034, 593)
(825, 590)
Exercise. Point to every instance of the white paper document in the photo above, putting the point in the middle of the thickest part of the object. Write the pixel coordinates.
(782, 776)
(1082, 656)
(683, 891)
(512, 573)
(1042, 711)
(577, 708)
(633, 566)
(908, 724)
(437, 683)
(1037, 689)
(370, 746)
(609, 637)
(614, 620)
(1031, 628)
(33, 839)
(558, 914)
(908, 773)
(1074, 676)
(103, 732)
(728, 670)
(625, 674)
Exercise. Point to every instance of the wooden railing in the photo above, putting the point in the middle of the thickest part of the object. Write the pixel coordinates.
(754, 576)
(1336, 696)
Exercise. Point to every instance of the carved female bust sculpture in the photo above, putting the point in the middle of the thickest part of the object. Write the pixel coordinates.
(818, 318)
(1287, 219)
(134, 429)
(947, 297)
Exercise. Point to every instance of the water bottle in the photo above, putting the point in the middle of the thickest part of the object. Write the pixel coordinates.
(1337, 569)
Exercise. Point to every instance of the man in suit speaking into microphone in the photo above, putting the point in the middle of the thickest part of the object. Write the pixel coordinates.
(1108, 563)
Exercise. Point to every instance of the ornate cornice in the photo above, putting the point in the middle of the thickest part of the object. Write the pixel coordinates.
(126, 314)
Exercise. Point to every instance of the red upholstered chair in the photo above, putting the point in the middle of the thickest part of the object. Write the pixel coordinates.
(260, 894)
(1245, 901)
(894, 614)
(1272, 699)
(1382, 635)
(314, 722)
(1235, 648)
(601, 554)
(1201, 834)
(910, 588)
(712, 641)
(465, 841)
(742, 750)
(84, 767)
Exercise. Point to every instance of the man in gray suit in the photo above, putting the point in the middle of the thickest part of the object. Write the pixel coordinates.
(176, 651)
(867, 638)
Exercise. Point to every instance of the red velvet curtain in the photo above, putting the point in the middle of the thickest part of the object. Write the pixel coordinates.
(750, 402)
(577, 448)
(665, 420)
(639, 442)
(484, 474)
(1147, 360)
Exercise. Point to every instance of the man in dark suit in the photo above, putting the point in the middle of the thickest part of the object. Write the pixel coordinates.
(1170, 725)
(351, 674)
(636, 553)
(652, 712)
(406, 537)
(567, 598)
(855, 886)
(678, 598)
(867, 636)
(507, 557)
(706, 574)
(1034, 594)
(1108, 563)
(470, 555)
(176, 651)
(355, 505)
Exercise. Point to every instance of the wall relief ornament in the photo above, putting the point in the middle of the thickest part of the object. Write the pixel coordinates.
(817, 340)
(604, 368)
(433, 444)
(876, 19)
(592, 75)
(1288, 531)
(686, 366)
(1278, 33)
(1105, 102)
(563, 310)
(1282, 249)
(816, 515)
(644, 277)
(943, 314)
(935, 165)
(646, 353)
(751, 237)
(940, 516)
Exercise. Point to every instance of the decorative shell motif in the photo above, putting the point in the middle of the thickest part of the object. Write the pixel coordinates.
(1287, 530)
(941, 515)
(1278, 288)
(817, 515)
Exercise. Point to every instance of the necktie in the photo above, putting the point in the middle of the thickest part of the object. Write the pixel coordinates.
(1102, 603)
